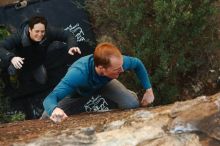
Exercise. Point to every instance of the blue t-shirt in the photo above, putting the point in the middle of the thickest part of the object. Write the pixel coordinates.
(82, 79)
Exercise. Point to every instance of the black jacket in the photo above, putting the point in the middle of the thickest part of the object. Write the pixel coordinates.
(21, 45)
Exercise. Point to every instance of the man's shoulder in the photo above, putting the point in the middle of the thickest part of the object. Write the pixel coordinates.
(128, 58)
(87, 58)
(81, 68)
(83, 62)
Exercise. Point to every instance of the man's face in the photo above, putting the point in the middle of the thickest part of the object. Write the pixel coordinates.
(115, 68)
(38, 32)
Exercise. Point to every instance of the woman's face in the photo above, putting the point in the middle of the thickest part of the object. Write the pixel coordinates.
(38, 32)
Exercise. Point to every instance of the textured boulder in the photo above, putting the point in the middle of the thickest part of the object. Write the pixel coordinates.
(187, 123)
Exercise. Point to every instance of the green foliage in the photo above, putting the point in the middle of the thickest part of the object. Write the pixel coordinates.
(3, 33)
(17, 117)
(13, 117)
(4, 100)
(171, 37)
(4, 107)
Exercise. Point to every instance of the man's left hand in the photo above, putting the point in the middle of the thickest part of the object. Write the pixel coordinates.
(148, 97)
(74, 50)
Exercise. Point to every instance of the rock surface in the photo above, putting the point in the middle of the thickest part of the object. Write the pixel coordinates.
(188, 123)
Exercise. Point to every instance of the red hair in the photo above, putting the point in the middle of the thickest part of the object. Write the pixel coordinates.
(103, 53)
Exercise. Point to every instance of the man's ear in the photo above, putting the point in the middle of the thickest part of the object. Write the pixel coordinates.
(101, 69)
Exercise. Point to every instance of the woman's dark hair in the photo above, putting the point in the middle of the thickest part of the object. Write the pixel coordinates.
(37, 19)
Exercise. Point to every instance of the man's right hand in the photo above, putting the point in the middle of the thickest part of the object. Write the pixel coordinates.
(58, 115)
(17, 62)
(148, 97)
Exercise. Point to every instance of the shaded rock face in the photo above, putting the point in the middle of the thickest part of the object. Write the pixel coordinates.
(6, 2)
(189, 123)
